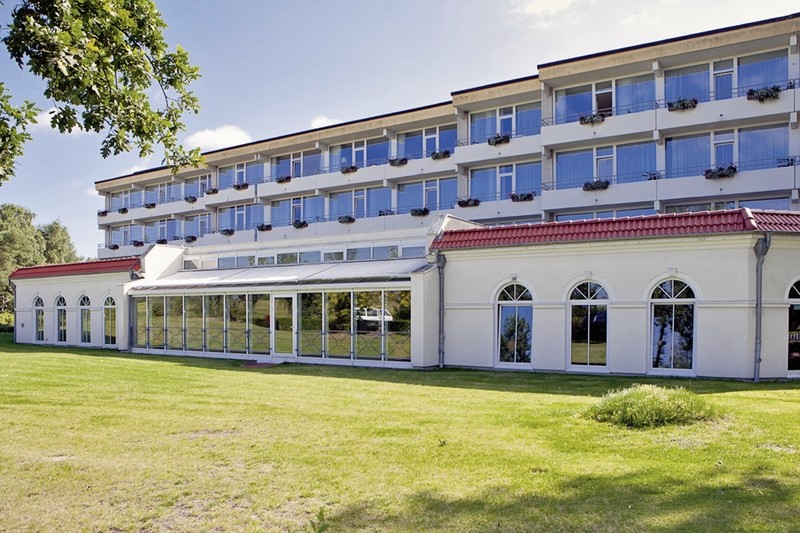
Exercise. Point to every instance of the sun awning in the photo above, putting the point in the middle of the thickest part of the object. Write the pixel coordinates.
(285, 275)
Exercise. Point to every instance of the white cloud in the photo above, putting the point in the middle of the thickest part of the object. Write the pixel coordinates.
(227, 135)
(43, 123)
(320, 121)
(544, 13)
(143, 164)
(91, 191)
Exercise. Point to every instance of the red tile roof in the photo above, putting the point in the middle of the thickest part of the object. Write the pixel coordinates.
(670, 225)
(122, 264)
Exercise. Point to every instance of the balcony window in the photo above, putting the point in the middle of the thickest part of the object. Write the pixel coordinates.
(377, 151)
(529, 119)
(448, 136)
(523, 119)
(687, 82)
(482, 125)
(634, 161)
(433, 194)
(198, 225)
(723, 148)
(573, 168)
(762, 70)
(763, 147)
(307, 208)
(572, 103)
(379, 200)
(507, 179)
(120, 200)
(687, 156)
(409, 145)
(348, 154)
(312, 162)
(528, 178)
(723, 79)
(483, 184)
(240, 217)
(635, 94)
(409, 196)
(604, 163)
(197, 186)
(157, 194)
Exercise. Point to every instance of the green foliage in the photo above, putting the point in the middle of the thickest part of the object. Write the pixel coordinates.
(321, 523)
(58, 246)
(21, 245)
(100, 59)
(6, 318)
(645, 406)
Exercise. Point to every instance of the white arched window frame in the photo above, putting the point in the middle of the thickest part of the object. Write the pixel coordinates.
(109, 321)
(514, 324)
(38, 318)
(588, 324)
(61, 319)
(672, 319)
(85, 319)
(793, 340)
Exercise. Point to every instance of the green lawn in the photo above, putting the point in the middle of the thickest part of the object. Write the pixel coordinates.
(98, 441)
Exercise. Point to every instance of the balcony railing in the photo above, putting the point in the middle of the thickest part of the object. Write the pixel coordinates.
(483, 139)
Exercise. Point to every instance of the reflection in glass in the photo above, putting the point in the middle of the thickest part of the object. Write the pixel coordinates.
(236, 325)
(310, 324)
(369, 324)
(516, 333)
(193, 306)
(155, 314)
(259, 323)
(339, 315)
(397, 321)
(284, 325)
(215, 323)
(175, 322)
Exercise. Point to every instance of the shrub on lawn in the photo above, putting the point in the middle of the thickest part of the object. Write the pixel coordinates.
(643, 406)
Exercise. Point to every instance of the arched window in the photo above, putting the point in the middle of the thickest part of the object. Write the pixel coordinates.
(672, 306)
(61, 319)
(794, 326)
(84, 305)
(109, 321)
(589, 310)
(515, 324)
(38, 318)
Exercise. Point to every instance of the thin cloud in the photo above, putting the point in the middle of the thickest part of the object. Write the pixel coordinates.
(91, 191)
(320, 121)
(43, 124)
(211, 139)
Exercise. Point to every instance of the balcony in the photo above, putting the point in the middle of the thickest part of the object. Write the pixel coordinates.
(477, 152)
(617, 124)
(231, 195)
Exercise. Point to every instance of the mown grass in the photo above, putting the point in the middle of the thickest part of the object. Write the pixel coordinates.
(99, 441)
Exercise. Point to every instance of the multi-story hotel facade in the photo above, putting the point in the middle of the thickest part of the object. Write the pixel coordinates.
(335, 245)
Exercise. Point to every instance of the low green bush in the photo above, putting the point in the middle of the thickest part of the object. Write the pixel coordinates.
(644, 406)
(6, 318)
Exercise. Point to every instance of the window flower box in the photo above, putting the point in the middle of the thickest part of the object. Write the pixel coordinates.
(212, 190)
(594, 118)
(190, 199)
(469, 202)
(652, 176)
(522, 196)
(264, 227)
(765, 93)
(444, 154)
(113, 246)
(300, 224)
(385, 212)
(137, 244)
(149, 205)
(681, 104)
(122, 210)
(499, 139)
(227, 232)
(720, 172)
(420, 212)
(241, 186)
(397, 161)
(346, 219)
(190, 238)
(350, 169)
(102, 213)
(161, 241)
(596, 185)
(283, 179)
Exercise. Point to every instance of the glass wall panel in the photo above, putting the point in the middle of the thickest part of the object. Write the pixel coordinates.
(397, 321)
(794, 329)
(589, 335)
(215, 322)
(483, 184)
(155, 315)
(369, 321)
(673, 336)
(635, 161)
(175, 322)
(377, 151)
(572, 103)
(763, 147)
(529, 119)
(140, 315)
(529, 177)
(482, 125)
(310, 324)
(516, 332)
(312, 161)
(635, 94)
(338, 315)
(688, 156)
(340, 203)
(237, 323)
(687, 82)
(763, 70)
(448, 193)
(284, 325)
(448, 137)
(409, 196)
(259, 324)
(409, 145)
(573, 169)
(379, 200)
(194, 322)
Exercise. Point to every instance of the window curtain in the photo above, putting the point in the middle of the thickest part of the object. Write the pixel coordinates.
(687, 82)
(483, 184)
(482, 125)
(314, 208)
(763, 147)
(763, 70)
(448, 193)
(635, 94)
(572, 103)
(529, 119)
(634, 160)
(529, 177)
(409, 196)
(378, 200)
(573, 168)
(281, 213)
(688, 156)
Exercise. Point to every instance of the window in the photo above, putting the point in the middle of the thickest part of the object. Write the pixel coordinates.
(523, 119)
(634, 94)
(197, 225)
(120, 200)
(589, 312)
(306, 208)
(528, 119)
(240, 173)
(762, 70)
(672, 305)
(61, 319)
(763, 146)
(636, 161)
(723, 148)
(687, 156)
(572, 103)
(794, 327)
(604, 163)
(161, 193)
(573, 168)
(240, 217)
(298, 164)
(723, 79)
(361, 203)
(162, 229)
(354, 154)
(109, 321)
(422, 143)
(515, 324)
(498, 183)
(687, 82)
(433, 194)
(197, 187)
(85, 319)
(38, 318)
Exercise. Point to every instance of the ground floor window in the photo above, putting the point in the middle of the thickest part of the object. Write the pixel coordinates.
(61, 319)
(38, 306)
(515, 324)
(109, 321)
(672, 309)
(85, 319)
(794, 327)
(588, 331)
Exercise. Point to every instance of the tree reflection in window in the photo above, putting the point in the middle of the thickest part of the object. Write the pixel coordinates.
(515, 313)
(673, 325)
(794, 327)
(588, 324)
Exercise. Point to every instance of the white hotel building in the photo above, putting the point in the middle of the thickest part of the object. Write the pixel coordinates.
(493, 230)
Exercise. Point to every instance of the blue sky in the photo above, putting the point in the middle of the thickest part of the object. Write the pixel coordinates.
(271, 68)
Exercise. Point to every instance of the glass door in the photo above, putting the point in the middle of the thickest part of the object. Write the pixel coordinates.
(283, 328)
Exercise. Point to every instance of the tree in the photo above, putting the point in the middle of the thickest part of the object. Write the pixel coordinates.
(58, 246)
(21, 244)
(99, 58)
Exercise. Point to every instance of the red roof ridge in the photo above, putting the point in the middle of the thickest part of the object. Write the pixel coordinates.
(116, 264)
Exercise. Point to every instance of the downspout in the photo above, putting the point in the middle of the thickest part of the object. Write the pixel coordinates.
(440, 262)
(14, 292)
(761, 248)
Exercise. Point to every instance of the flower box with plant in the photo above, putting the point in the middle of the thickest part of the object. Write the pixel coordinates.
(763, 94)
(397, 161)
(346, 219)
(349, 169)
(436, 155)
(102, 213)
(652, 176)
(212, 190)
(190, 238)
(190, 199)
(113, 246)
(264, 227)
(300, 224)
(522, 196)
(122, 210)
(498, 138)
(726, 171)
(469, 202)
(241, 186)
(227, 232)
(420, 212)
(283, 179)
(385, 212)
(596, 185)
(682, 103)
(138, 244)
(149, 205)
(161, 241)
(594, 118)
